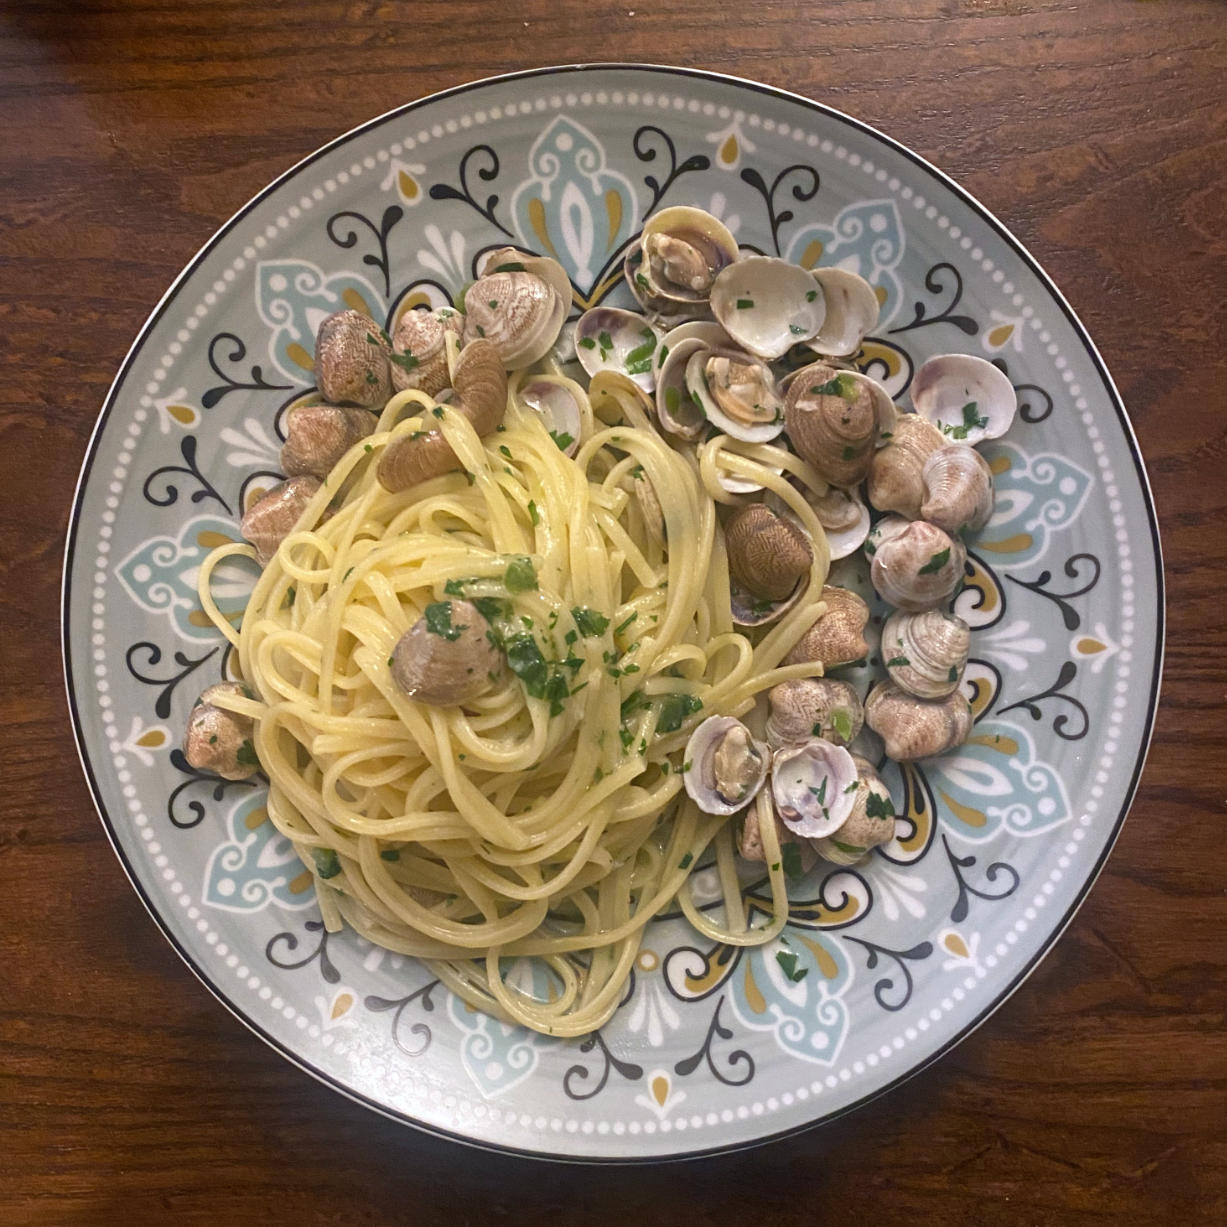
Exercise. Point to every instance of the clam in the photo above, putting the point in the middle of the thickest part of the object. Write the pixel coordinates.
(351, 360)
(895, 481)
(925, 653)
(834, 418)
(419, 349)
(769, 555)
(676, 410)
(519, 304)
(767, 305)
(966, 398)
(556, 406)
(272, 518)
(681, 250)
(871, 823)
(317, 436)
(842, 514)
(736, 393)
(750, 841)
(838, 636)
(610, 339)
(813, 707)
(749, 610)
(885, 529)
(914, 728)
(919, 567)
(446, 657)
(726, 765)
(851, 312)
(219, 740)
(812, 786)
(958, 486)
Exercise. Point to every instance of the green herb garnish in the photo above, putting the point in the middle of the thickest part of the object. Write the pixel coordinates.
(675, 709)
(439, 621)
(592, 625)
(936, 563)
(521, 576)
(879, 807)
(787, 960)
(327, 865)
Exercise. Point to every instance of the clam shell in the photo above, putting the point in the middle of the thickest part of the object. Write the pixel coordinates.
(557, 407)
(895, 481)
(444, 670)
(870, 825)
(317, 436)
(750, 610)
(676, 410)
(683, 250)
(769, 555)
(518, 312)
(812, 786)
(918, 568)
(851, 312)
(750, 842)
(913, 728)
(838, 636)
(716, 379)
(610, 339)
(958, 489)
(727, 765)
(813, 707)
(419, 349)
(925, 653)
(834, 419)
(767, 305)
(966, 398)
(842, 514)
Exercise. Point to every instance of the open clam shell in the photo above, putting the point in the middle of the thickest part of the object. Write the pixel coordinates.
(677, 411)
(610, 339)
(851, 312)
(751, 610)
(556, 405)
(683, 249)
(767, 305)
(726, 765)
(737, 394)
(966, 398)
(871, 823)
(842, 513)
(813, 786)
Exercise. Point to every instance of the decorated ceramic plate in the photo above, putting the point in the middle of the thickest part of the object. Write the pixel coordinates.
(996, 843)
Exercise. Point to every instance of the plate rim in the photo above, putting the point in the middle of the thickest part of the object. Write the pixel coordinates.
(1002, 232)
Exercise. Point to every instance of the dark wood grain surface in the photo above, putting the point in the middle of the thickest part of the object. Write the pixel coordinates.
(130, 131)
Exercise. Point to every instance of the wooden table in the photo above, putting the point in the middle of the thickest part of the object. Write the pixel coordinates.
(131, 130)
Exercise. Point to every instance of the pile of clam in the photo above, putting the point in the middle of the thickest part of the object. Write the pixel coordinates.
(759, 350)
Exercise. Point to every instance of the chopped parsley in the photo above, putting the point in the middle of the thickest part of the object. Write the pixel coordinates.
(790, 854)
(505, 450)
(438, 411)
(327, 864)
(820, 793)
(406, 362)
(533, 514)
(841, 722)
(390, 854)
(639, 360)
(685, 862)
(898, 662)
(839, 385)
(852, 787)
(953, 675)
(562, 439)
(936, 563)
(849, 849)
(520, 576)
(811, 295)
(587, 343)
(439, 621)
(675, 709)
(879, 807)
(592, 625)
(493, 304)
(971, 421)
(787, 960)
(512, 266)
(605, 341)
(849, 452)
(619, 629)
(745, 304)
(290, 594)
(245, 756)
(796, 330)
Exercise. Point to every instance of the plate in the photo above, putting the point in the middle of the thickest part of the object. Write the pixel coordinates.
(713, 1048)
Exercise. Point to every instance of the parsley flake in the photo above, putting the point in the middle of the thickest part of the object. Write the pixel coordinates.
(936, 563)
